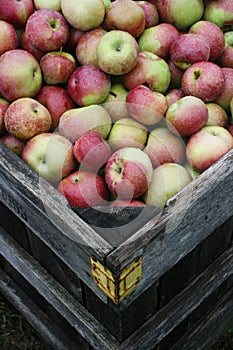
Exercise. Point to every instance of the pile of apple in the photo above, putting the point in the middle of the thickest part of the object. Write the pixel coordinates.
(117, 102)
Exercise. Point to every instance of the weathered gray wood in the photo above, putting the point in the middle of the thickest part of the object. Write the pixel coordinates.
(181, 306)
(190, 217)
(53, 336)
(67, 306)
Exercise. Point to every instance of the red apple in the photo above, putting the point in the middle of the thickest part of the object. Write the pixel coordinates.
(226, 95)
(133, 20)
(57, 67)
(26, 45)
(84, 189)
(204, 80)
(92, 151)
(56, 100)
(47, 30)
(127, 203)
(88, 85)
(146, 106)
(226, 58)
(216, 115)
(26, 117)
(219, 12)
(20, 75)
(14, 144)
(176, 75)
(16, 12)
(186, 116)
(8, 37)
(128, 173)
(164, 147)
(74, 37)
(150, 12)
(207, 146)
(173, 95)
(4, 104)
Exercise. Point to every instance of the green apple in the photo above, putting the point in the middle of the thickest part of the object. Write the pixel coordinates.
(115, 102)
(48, 4)
(219, 12)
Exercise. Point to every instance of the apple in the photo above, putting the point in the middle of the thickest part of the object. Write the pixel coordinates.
(226, 58)
(213, 35)
(204, 80)
(47, 30)
(117, 52)
(107, 3)
(76, 121)
(207, 146)
(176, 75)
(181, 13)
(57, 67)
(16, 12)
(127, 203)
(158, 39)
(72, 42)
(216, 115)
(92, 151)
(132, 21)
(8, 37)
(194, 173)
(87, 45)
(115, 103)
(39, 153)
(188, 49)
(146, 106)
(26, 45)
(56, 100)
(219, 12)
(230, 129)
(84, 189)
(48, 5)
(164, 147)
(150, 12)
(226, 95)
(26, 117)
(83, 14)
(150, 70)
(14, 144)
(167, 180)
(127, 132)
(4, 104)
(128, 173)
(88, 85)
(173, 95)
(20, 75)
(186, 116)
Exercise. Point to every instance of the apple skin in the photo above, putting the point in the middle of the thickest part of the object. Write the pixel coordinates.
(226, 95)
(146, 106)
(173, 95)
(150, 70)
(87, 46)
(150, 12)
(26, 44)
(176, 75)
(89, 85)
(127, 132)
(72, 42)
(167, 180)
(164, 147)
(75, 122)
(16, 12)
(4, 104)
(8, 37)
(158, 39)
(219, 12)
(47, 30)
(39, 153)
(133, 21)
(83, 188)
(128, 203)
(117, 52)
(26, 117)
(48, 5)
(56, 100)
(115, 103)
(83, 14)
(207, 146)
(186, 116)
(57, 67)
(226, 58)
(188, 49)
(92, 151)
(14, 144)
(216, 115)
(128, 173)
(20, 75)
(181, 13)
(213, 35)
(204, 80)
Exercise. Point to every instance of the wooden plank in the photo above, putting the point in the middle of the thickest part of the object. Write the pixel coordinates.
(181, 306)
(67, 306)
(190, 217)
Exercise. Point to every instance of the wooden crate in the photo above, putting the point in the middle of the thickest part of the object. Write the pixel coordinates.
(163, 281)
